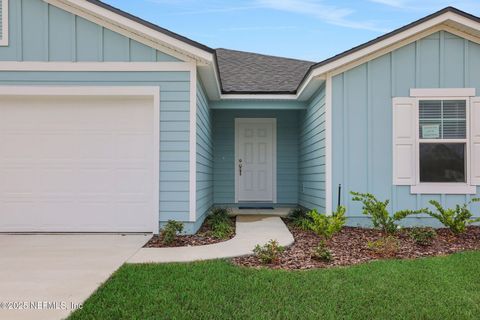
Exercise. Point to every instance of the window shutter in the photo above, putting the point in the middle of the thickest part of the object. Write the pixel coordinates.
(404, 138)
(475, 141)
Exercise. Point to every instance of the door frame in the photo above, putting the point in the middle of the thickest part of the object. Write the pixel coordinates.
(105, 91)
(273, 121)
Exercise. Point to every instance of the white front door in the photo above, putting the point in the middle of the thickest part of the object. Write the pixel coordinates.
(255, 161)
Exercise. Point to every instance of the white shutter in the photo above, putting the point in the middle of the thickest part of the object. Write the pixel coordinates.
(475, 141)
(404, 139)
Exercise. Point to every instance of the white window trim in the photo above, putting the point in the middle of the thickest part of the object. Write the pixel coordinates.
(4, 40)
(443, 188)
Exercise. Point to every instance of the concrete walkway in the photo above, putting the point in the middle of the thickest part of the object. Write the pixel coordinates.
(251, 230)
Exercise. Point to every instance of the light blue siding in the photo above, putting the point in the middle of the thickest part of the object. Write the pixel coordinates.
(42, 32)
(362, 116)
(224, 151)
(204, 154)
(311, 192)
(174, 123)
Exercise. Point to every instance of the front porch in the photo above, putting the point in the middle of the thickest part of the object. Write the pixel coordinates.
(252, 177)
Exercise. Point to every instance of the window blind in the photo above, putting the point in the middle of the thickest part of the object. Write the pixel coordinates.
(443, 119)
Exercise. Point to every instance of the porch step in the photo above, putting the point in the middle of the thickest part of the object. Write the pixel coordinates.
(275, 212)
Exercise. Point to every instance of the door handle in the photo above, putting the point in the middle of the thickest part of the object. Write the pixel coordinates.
(240, 166)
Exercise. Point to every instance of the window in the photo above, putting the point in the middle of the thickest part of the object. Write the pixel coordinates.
(3, 22)
(436, 141)
(442, 141)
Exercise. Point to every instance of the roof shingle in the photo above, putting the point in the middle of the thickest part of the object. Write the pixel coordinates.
(245, 72)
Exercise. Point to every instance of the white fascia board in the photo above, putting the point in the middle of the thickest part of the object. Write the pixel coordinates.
(132, 29)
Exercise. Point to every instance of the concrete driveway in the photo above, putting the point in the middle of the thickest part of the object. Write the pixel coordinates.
(51, 275)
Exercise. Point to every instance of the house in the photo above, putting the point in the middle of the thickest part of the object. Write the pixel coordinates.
(109, 123)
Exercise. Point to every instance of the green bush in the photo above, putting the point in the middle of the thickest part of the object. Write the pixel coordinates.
(269, 252)
(326, 226)
(456, 219)
(386, 246)
(219, 223)
(170, 231)
(423, 236)
(222, 230)
(298, 217)
(322, 253)
(218, 215)
(378, 212)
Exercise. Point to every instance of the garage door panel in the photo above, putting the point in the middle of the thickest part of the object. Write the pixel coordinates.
(140, 146)
(77, 164)
(18, 180)
(95, 145)
(14, 146)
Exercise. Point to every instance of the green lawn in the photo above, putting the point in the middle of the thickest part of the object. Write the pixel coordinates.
(434, 288)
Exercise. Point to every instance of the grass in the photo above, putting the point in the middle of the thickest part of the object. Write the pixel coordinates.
(433, 288)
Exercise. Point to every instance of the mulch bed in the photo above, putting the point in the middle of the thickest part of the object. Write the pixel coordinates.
(201, 238)
(350, 247)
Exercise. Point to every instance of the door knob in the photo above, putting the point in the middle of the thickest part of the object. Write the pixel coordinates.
(240, 166)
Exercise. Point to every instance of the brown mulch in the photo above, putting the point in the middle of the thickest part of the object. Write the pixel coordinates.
(201, 238)
(350, 247)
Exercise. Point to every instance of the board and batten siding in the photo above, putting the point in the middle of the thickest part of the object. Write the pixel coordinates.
(43, 32)
(311, 192)
(204, 154)
(362, 117)
(224, 151)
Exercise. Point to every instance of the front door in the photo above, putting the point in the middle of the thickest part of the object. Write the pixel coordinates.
(255, 161)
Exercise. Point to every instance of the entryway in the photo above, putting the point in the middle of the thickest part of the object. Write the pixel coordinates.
(255, 160)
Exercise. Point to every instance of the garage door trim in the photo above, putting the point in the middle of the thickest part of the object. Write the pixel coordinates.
(98, 91)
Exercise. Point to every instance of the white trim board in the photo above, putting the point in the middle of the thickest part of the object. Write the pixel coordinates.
(97, 66)
(274, 152)
(5, 32)
(328, 145)
(193, 147)
(132, 91)
(443, 92)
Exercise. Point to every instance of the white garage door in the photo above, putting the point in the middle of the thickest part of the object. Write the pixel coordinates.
(77, 164)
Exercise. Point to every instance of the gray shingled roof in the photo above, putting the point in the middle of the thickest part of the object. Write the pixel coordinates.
(245, 72)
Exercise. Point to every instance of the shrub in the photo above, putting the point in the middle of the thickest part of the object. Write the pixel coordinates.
(269, 252)
(220, 223)
(221, 230)
(299, 218)
(326, 226)
(378, 212)
(386, 246)
(423, 236)
(322, 253)
(218, 215)
(170, 231)
(456, 219)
